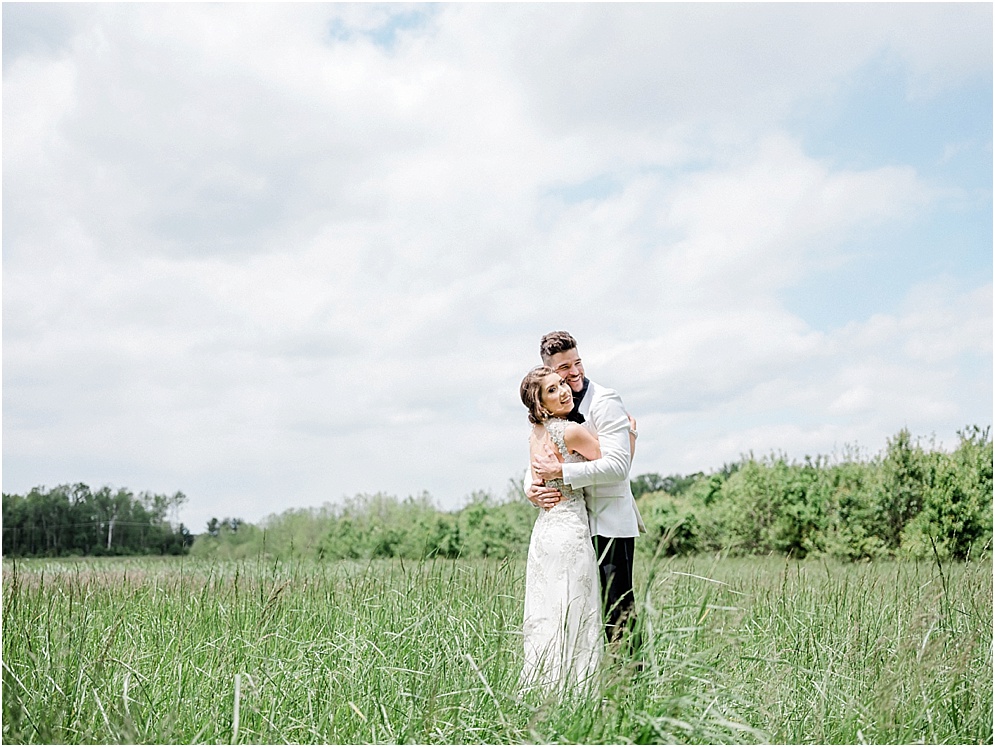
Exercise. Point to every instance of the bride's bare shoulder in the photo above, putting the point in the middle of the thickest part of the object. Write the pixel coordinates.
(538, 436)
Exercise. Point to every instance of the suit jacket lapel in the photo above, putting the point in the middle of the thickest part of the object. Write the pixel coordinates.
(585, 406)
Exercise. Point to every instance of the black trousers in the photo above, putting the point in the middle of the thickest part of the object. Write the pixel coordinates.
(615, 556)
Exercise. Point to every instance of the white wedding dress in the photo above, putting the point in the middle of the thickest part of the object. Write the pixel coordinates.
(563, 629)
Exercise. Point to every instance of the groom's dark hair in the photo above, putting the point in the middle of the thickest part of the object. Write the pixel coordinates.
(555, 342)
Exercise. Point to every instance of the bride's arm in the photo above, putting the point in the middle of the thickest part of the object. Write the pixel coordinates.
(535, 490)
(532, 456)
(578, 438)
(539, 444)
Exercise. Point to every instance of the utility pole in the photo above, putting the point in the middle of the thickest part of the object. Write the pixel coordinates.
(110, 529)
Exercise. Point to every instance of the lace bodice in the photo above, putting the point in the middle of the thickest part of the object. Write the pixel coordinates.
(555, 427)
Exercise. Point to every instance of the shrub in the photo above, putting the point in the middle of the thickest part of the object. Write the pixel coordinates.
(671, 525)
(956, 513)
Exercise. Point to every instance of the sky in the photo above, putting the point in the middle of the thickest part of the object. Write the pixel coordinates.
(277, 255)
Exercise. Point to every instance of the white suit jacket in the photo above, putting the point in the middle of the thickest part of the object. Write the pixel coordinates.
(611, 509)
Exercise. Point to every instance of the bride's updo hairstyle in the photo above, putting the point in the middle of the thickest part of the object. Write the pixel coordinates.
(532, 397)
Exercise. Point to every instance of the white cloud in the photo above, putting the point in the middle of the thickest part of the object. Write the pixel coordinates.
(612, 71)
(274, 256)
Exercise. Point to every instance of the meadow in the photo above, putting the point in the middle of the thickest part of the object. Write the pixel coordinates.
(736, 650)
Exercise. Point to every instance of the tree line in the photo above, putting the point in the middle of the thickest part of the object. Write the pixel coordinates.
(909, 500)
(75, 520)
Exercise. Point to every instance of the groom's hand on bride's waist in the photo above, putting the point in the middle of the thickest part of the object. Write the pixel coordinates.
(543, 497)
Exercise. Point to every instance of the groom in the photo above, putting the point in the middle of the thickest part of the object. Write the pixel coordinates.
(612, 513)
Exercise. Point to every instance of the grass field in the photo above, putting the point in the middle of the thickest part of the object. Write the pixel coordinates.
(738, 650)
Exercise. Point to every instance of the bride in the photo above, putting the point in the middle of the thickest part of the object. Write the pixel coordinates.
(563, 629)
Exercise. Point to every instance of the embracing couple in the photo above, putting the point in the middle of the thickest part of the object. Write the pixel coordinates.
(578, 581)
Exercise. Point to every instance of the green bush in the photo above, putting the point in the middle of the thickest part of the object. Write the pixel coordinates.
(956, 515)
(768, 506)
(851, 508)
(380, 526)
(850, 516)
(491, 529)
(671, 525)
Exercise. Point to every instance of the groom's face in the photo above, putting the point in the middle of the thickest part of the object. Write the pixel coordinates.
(567, 364)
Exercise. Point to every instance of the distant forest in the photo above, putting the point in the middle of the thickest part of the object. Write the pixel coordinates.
(910, 500)
(74, 520)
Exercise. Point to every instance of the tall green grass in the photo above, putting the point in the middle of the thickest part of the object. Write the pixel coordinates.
(746, 650)
(821, 652)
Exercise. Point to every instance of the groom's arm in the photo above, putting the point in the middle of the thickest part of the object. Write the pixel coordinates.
(612, 423)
